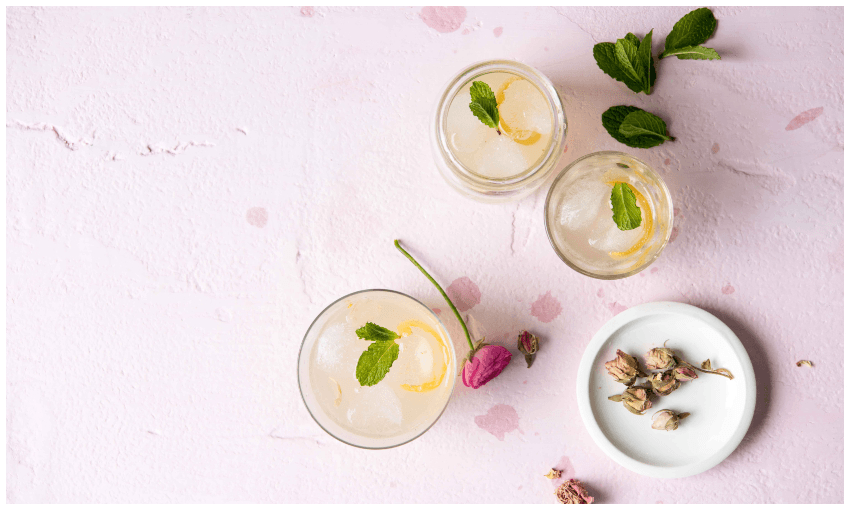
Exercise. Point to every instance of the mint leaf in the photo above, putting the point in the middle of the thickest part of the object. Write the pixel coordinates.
(624, 205)
(375, 362)
(483, 104)
(693, 29)
(607, 62)
(639, 123)
(626, 52)
(373, 332)
(644, 61)
(613, 118)
(692, 53)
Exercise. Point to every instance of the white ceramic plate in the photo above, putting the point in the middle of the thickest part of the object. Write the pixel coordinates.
(721, 410)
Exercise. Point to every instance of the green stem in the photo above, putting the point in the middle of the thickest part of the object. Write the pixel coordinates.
(445, 296)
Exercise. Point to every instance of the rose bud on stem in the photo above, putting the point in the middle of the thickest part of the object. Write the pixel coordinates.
(483, 362)
(528, 345)
(635, 399)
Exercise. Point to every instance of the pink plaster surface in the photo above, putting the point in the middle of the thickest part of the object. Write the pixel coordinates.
(187, 188)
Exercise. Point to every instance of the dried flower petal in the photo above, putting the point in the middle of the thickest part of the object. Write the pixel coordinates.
(706, 365)
(805, 362)
(624, 368)
(553, 473)
(660, 358)
(635, 399)
(572, 492)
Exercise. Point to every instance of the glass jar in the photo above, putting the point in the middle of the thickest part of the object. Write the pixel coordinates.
(579, 223)
(486, 188)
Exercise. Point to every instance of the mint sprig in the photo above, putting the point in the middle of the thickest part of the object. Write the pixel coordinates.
(634, 127)
(688, 33)
(629, 60)
(624, 205)
(483, 104)
(375, 362)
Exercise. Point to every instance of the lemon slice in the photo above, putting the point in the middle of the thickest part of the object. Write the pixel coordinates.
(520, 136)
(646, 224)
(442, 366)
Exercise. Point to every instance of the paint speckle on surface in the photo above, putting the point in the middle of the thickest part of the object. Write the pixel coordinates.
(437, 311)
(567, 471)
(728, 289)
(499, 420)
(674, 233)
(465, 31)
(600, 293)
(498, 31)
(616, 307)
(565, 148)
(464, 293)
(545, 48)
(257, 216)
(443, 19)
(546, 308)
(308, 12)
(804, 118)
(667, 161)
(715, 148)
(653, 270)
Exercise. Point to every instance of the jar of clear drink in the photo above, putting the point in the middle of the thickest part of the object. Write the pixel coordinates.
(579, 216)
(508, 162)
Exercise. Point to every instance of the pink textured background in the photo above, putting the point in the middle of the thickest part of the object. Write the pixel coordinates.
(188, 188)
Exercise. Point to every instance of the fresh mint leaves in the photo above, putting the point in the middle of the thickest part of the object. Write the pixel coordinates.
(375, 333)
(629, 60)
(483, 104)
(375, 362)
(688, 33)
(624, 205)
(634, 127)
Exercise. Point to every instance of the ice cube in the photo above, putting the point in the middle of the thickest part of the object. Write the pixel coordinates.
(466, 132)
(375, 408)
(415, 363)
(525, 108)
(500, 157)
(330, 348)
(607, 237)
(582, 202)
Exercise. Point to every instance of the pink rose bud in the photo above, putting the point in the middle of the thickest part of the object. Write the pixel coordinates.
(487, 362)
(624, 368)
(572, 492)
(684, 374)
(663, 383)
(660, 358)
(527, 345)
(667, 420)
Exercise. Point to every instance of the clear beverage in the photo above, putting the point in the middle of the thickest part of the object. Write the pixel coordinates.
(579, 216)
(407, 401)
(510, 162)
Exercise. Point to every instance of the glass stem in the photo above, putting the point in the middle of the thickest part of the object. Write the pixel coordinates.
(445, 296)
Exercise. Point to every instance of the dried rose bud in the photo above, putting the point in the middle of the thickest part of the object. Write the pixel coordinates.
(660, 358)
(527, 345)
(635, 399)
(666, 419)
(663, 383)
(485, 363)
(684, 374)
(624, 368)
(553, 473)
(572, 492)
